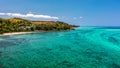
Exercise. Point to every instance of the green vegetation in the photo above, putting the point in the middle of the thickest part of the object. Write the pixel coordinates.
(20, 25)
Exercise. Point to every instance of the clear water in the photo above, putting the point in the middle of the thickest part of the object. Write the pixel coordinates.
(85, 47)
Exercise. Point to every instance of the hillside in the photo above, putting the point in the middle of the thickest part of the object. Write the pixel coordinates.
(20, 25)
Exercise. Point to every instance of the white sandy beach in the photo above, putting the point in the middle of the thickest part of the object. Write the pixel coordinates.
(15, 33)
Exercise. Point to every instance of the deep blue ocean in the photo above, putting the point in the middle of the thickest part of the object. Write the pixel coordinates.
(84, 47)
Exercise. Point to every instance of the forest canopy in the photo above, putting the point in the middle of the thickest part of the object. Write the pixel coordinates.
(22, 25)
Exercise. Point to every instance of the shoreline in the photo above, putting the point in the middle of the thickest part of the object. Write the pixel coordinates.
(15, 33)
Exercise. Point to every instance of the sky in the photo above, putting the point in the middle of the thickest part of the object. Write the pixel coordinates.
(77, 12)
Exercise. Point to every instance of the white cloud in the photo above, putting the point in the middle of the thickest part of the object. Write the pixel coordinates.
(77, 18)
(29, 15)
(2, 13)
(81, 17)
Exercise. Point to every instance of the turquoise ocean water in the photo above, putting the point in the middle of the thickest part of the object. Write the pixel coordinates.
(84, 47)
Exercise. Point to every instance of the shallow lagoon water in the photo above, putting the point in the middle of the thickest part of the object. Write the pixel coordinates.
(84, 47)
